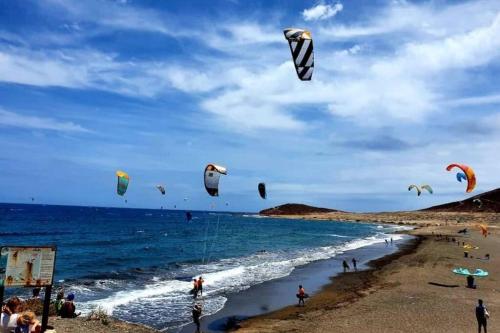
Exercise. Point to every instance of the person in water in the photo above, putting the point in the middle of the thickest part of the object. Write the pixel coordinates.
(354, 264)
(200, 286)
(301, 295)
(196, 312)
(345, 265)
(68, 309)
(195, 288)
(481, 316)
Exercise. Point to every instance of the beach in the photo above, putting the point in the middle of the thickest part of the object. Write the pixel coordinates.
(395, 294)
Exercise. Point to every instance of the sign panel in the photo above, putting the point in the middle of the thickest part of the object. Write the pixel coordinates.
(29, 266)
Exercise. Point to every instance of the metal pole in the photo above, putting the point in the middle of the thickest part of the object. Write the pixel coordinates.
(46, 306)
(2, 288)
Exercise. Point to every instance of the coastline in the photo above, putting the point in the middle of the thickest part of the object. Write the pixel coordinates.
(275, 295)
(395, 294)
(411, 218)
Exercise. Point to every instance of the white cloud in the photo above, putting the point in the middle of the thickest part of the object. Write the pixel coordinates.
(473, 101)
(321, 11)
(12, 119)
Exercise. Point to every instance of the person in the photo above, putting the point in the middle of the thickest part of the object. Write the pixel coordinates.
(354, 264)
(200, 286)
(9, 315)
(195, 288)
(391, 240)
(196, 316)
(470, 282)
(27, 323)
(59, 302)
(481, 316)
(36, 293)
(345, 265)
(301, 295)
(386, 243)
(68, 309)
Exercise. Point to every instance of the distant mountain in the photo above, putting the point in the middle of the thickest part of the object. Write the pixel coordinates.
(295, 209)
(487, 202)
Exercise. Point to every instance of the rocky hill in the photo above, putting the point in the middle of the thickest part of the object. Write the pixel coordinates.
(295, 209)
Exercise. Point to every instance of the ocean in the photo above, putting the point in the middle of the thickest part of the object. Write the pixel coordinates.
(138, 264)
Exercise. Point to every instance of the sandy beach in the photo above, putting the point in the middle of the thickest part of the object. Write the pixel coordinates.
(395, 295)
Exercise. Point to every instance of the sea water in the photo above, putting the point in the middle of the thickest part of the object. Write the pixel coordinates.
(138, 264)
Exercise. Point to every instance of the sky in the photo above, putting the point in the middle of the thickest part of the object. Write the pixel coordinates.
(159, 89)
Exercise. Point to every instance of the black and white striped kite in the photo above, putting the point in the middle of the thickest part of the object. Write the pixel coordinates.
(301, 46)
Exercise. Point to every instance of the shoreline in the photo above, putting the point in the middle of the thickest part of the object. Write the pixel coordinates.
(275, 295)
(413, 290)
(410, 218)
(342, 289)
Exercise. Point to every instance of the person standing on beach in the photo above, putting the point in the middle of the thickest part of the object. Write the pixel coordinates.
(386, 243)
(301, 295)
(345, 265)
(354, 263)
(481, 316)
(200, 286)
(391, 240)
(196, 316)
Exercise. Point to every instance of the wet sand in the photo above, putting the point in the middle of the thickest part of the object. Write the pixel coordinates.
(395, 295)
(279, 293)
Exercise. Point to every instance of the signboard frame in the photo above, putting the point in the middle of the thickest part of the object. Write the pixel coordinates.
(48, 288)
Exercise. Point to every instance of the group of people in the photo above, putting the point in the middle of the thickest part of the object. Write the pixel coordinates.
(15, 319)
(346, 267)
(198, 287)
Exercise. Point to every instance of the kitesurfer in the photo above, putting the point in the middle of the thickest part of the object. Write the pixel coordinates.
(195, 288)
(301, 295)
(345, 265)
(200, 286)
(196, 316)
(481, 316)
(470, 282)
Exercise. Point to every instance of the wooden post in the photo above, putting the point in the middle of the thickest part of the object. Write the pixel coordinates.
(46, 306)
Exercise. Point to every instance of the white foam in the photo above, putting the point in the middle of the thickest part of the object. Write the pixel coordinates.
(226, 275)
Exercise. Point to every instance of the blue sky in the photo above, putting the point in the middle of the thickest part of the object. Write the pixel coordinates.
(161, 88)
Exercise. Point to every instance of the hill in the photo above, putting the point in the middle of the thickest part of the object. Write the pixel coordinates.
(295, 209)
(488, 202)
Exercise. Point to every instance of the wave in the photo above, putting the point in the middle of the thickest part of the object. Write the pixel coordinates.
(221, 277)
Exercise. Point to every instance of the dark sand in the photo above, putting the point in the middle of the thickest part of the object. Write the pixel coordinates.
(279, 293)
(395, 296)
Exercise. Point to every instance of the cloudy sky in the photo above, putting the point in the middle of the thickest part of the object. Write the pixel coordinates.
(160, 89)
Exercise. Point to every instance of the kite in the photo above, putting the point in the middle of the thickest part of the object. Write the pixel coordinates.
(211, 177)
(461, 176)
(478, 202)
(262, 190)
(416, 188)
(428, 188)
(161, 189)
(301, 46)
(484, 229)
(123, 180)
(469, 173)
